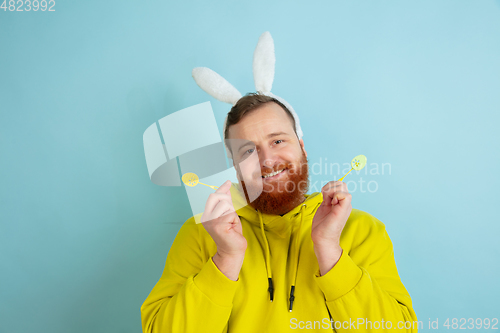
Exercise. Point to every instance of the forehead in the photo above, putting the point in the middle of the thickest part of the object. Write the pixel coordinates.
(257, 124)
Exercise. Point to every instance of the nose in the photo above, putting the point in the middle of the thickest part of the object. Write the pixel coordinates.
(267, 157)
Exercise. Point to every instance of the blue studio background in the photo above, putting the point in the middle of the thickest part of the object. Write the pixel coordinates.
(84, 233)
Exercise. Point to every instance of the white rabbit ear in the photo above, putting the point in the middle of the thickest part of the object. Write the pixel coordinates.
(263, 63)
(215, 85)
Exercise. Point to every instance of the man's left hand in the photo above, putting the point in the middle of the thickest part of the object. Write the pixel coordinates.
(328, 223)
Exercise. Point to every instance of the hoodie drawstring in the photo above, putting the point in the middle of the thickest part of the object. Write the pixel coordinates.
(268, 259)
(295, 253)
(296, 256)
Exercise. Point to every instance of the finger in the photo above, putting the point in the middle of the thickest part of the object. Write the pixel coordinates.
(328, 192)
(224, 187)
(214, 198)
(333, 184)
(227, 184)
(222, 208)
(229, 191)
(341, 198)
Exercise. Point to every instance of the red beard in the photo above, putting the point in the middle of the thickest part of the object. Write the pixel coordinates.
(281, 196)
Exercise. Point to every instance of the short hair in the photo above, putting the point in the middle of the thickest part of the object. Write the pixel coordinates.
(249, 103)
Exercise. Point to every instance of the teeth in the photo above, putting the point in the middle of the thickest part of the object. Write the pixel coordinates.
(273, 174)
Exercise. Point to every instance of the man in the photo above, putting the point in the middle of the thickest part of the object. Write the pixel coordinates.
(286, 260)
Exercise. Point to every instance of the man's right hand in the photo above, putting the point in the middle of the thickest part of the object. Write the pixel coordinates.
(224, 226)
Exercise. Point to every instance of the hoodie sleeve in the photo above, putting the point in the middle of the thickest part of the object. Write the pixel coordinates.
(192, 295)
(364, 289)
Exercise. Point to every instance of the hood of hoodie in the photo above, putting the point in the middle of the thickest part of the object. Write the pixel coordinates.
(278, 224)
(273, 222)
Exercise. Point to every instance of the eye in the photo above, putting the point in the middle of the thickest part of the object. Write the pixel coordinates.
(249, 151)
(278, 141)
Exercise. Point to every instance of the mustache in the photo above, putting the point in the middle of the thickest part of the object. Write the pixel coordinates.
(297, 167)
(277, 167)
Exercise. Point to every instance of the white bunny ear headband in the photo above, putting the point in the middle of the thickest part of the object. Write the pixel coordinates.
(263, 73)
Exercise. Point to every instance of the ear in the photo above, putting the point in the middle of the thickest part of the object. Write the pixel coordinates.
(301, 142)
(263, 63)
(215, 85)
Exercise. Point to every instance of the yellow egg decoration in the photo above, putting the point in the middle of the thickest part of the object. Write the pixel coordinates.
(191, 179)
(357, 164)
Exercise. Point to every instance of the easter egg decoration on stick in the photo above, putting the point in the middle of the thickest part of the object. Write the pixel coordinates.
(357, 164)
(191, 179)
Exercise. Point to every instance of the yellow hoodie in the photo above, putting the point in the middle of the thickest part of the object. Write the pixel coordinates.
(362, 292)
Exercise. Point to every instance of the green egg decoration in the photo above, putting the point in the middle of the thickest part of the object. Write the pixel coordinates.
(358, 162)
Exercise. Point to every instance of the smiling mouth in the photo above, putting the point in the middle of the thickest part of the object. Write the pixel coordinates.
(274, 174)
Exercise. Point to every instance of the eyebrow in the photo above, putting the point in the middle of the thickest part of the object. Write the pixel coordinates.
(276, 134)
(250, 143)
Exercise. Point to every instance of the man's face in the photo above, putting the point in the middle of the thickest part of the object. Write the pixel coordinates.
(271, 161)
